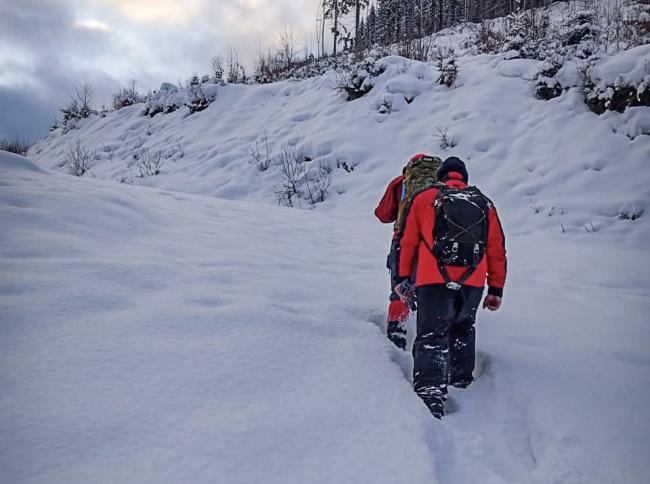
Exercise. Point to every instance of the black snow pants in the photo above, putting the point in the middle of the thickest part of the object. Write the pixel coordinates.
(443, 351)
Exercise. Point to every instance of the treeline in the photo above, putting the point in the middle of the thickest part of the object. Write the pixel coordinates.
(386, 22)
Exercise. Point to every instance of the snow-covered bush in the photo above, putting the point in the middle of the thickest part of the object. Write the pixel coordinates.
(583, 33)
(78, 158)
(166, 100)
(487, 40)
(547, 86)
(217, 69)
(445, 61)
(524, 30)
(385, 104)
(615, 83)
(602, 97)
(197, 100)
(127, 96)
(631, 210)
(359, 79)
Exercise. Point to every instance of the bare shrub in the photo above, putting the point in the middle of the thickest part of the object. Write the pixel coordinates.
(80, 104)
(78, 158)
(235, 71)
(126, 176)
(127, 96)
(260, 153)
(147, 162)
(287, 47)
(318, 182)
(291, 160)
(417, 49)
(15, 145)
(445, 140)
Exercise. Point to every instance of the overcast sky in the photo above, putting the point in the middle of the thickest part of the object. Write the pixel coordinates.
(49, 46)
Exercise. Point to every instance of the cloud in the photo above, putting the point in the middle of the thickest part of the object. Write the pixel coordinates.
(91, 24)
(48, 46)
(159, 11)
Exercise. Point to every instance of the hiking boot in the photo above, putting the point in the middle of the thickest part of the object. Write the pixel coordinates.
(436, 406)
(397, 334)
(461, 383)
(434, 398)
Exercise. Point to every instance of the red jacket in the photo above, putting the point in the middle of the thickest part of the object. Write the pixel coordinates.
(419, 229)
(388, 207)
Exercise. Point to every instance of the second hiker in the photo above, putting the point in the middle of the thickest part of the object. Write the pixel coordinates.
(418, 174)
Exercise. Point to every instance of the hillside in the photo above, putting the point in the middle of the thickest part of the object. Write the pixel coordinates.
(556, 165)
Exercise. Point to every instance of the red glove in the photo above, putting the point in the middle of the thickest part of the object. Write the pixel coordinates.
(492, 302)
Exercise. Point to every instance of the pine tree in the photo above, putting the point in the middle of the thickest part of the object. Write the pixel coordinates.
(334, 10)
(371, 27)
(358, 34)
(360, 40)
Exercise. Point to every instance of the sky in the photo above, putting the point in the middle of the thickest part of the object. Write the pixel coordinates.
(48, 47)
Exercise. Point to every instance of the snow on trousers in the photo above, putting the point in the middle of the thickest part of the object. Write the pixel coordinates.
(443, 351)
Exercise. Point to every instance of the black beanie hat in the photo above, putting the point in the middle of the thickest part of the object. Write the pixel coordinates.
(452, 164)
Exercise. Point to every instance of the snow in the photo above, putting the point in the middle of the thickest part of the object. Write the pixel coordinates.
(629, 67)
(155, 336)
(190, 330)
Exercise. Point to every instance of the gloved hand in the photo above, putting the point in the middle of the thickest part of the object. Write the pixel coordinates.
(492, 302)
(406, 293)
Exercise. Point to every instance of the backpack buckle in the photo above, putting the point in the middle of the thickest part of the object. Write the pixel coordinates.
(454, 247)
(454, 286)
(476, 248)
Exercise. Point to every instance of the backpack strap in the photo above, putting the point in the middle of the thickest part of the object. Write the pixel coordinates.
(455, 285)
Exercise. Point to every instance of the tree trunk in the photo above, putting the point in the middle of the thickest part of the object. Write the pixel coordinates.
(356, 23)
(322, 34)
(336, 25)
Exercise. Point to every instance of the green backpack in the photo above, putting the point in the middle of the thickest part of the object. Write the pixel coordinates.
(419, 174)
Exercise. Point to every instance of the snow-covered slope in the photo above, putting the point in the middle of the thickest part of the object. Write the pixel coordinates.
(555, 165)
(153, 336)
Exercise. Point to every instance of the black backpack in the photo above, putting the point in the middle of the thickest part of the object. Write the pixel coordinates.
(460, 230)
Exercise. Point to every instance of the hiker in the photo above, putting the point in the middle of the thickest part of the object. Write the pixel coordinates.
(455, 233)
(420, 170)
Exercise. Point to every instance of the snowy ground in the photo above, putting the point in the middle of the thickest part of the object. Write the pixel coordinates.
(153, 336)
